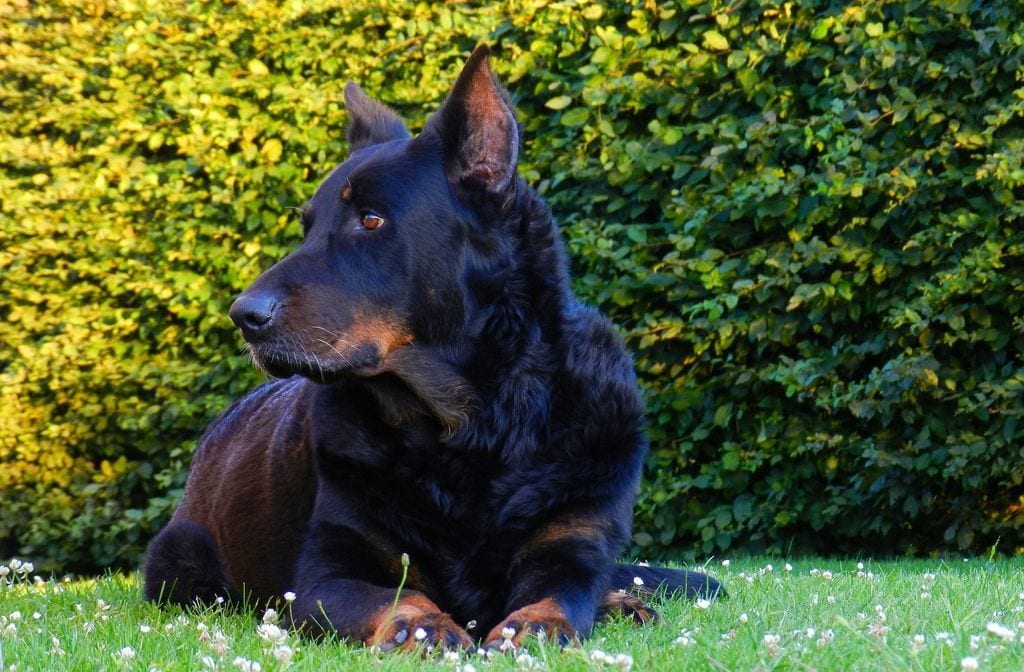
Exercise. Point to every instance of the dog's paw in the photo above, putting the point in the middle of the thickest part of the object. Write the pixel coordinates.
(540, 619)
(418, 627)
(623, 604)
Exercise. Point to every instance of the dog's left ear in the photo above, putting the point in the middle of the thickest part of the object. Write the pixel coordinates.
(370, 122)
(479, 132)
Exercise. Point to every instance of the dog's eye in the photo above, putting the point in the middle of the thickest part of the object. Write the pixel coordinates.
(371, 221)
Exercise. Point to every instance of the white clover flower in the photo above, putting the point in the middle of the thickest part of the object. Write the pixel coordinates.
(4, 571)
(725, 563)
(830, 599)
(878, 629)
(271, 633)
(15, 616)
(1001, 631)
(419, 634)
(246, 665)
(289, 596)
(508, 633)
(283, 654)
(126, 653)
(917, 643)
(219, 643)
(827, 575)
(969, 664)
(26, 568)
(637, 581)
(702, 603)
(270, 616)
(771, 642)
(144, 629)
(789, 567)
(744, 618)
(468, 668)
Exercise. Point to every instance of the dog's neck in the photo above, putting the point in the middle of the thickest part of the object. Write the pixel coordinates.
(510, 344)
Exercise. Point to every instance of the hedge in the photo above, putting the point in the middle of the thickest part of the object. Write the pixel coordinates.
(805, 218)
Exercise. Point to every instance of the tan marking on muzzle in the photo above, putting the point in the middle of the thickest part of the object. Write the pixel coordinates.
(385, 334)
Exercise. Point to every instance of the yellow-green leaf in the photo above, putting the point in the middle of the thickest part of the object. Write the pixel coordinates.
(715, 41)
(272, 150)
(558, 103)
(257, 68)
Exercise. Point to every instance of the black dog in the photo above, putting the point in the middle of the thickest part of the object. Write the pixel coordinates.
(444, 395)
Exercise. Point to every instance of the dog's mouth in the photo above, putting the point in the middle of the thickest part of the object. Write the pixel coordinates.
(281, 362)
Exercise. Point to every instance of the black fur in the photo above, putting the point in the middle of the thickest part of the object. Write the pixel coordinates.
(445, 396)
(186, 569)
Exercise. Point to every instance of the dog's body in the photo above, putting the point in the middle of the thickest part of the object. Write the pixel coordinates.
(453, 401)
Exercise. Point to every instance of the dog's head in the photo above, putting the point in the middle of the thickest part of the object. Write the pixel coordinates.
(390, 237)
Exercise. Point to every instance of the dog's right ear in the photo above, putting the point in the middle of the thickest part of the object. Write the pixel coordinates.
(370, 122)
(479, 133)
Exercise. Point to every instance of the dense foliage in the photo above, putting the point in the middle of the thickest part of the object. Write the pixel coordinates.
(806, 218)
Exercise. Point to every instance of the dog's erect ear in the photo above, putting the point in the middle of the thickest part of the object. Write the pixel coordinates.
(370, 122)
(479, 131)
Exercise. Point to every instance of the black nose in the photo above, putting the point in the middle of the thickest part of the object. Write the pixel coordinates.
(253, 313)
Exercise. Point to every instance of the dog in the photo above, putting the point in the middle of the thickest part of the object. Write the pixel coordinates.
(451, 450)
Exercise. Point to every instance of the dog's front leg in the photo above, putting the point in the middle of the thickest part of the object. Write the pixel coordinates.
(342, 588)
(558, 580)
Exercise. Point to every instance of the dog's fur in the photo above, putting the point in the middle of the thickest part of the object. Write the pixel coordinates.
(443, 394)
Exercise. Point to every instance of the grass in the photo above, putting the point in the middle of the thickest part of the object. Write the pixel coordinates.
(813, 615)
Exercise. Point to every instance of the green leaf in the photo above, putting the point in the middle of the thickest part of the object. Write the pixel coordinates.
(821, 28)
(575, 117)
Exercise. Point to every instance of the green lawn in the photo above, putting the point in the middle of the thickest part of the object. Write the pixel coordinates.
(813, 615)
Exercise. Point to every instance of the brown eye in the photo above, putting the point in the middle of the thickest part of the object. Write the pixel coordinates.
(371, 222)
